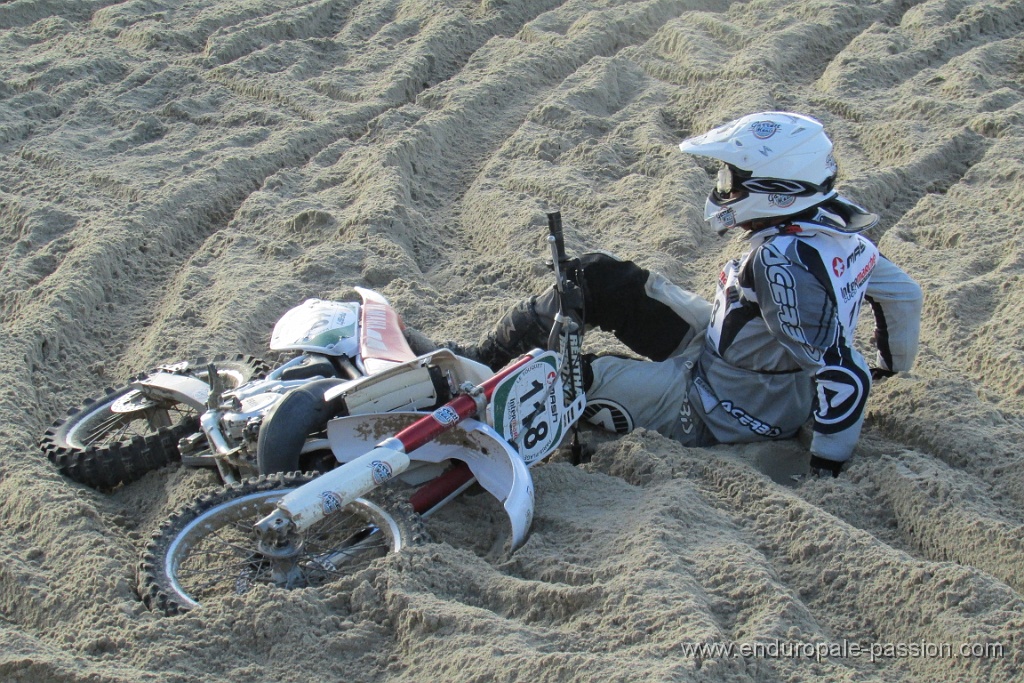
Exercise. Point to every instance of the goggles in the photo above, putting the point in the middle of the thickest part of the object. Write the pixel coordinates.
(733, 184)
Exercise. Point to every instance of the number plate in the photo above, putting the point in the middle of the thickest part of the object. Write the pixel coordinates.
(527, 408)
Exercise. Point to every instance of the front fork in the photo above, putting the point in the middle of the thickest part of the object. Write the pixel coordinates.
(335, 490)
(332, 492)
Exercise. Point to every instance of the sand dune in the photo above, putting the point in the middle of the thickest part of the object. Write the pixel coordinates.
(174, 176)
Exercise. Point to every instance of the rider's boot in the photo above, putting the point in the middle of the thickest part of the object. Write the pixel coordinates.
(525, 326)
(419, 342)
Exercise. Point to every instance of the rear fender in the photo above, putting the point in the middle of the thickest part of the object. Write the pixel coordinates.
(382, 343)
(494, 463)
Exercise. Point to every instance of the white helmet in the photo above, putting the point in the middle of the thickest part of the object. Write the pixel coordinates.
(776, 164)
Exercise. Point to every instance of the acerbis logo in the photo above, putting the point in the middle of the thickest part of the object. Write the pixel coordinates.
(608, 415)
(763, 130)
(375, 325)
(840, 393)
(783, 289)
(838, 266)
(749, 421)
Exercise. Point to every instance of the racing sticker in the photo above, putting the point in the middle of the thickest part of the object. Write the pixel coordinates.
(763, 130)
(783, 201)
(330, 501)
(381, 471)
(726, 217)
(446, 415)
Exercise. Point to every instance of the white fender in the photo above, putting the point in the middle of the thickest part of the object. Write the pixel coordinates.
(493, 461)
(170, 386)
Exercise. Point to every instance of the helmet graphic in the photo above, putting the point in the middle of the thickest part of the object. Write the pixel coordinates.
(774, 164)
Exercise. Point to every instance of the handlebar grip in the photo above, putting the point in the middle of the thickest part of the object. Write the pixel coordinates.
(555, 230)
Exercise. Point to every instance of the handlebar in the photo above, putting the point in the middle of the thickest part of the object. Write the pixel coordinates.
(555, 230)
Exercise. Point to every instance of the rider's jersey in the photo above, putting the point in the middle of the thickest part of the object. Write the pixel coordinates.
(779, 345)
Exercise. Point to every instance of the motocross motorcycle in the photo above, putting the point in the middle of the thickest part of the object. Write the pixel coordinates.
(394, 467)
(209, 414)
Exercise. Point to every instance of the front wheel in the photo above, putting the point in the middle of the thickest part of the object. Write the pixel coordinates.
(119, 437)
(210, 549)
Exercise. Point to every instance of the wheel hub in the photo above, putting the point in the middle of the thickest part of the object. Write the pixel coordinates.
(283, 559)
(132, 402)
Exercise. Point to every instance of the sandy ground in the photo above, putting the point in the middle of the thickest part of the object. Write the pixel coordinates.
(175, 175)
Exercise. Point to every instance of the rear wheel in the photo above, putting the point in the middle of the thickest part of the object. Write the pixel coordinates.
(119, 437)
(209, 549)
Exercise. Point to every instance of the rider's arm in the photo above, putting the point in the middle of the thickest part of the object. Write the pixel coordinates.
(895, 300)
(802, 315)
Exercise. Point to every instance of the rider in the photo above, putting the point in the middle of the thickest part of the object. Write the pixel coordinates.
(776, 345)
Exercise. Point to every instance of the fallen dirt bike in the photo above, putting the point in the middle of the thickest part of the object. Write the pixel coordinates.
(210, 414)
(303, 530)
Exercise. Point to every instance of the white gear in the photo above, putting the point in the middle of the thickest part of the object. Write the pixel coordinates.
(775, 164)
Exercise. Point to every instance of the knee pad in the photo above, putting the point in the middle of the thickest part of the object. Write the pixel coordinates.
(617, 301)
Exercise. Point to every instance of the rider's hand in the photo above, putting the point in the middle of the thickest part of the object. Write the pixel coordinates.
(823, 467)
(880, 373)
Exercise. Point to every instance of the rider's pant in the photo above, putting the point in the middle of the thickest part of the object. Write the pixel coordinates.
(627, 393)
(654, 318)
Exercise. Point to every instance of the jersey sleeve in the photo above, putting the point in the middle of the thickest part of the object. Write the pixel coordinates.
(895, 300)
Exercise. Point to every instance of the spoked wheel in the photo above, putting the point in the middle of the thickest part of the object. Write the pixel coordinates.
(210, 549)
(125, 434)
